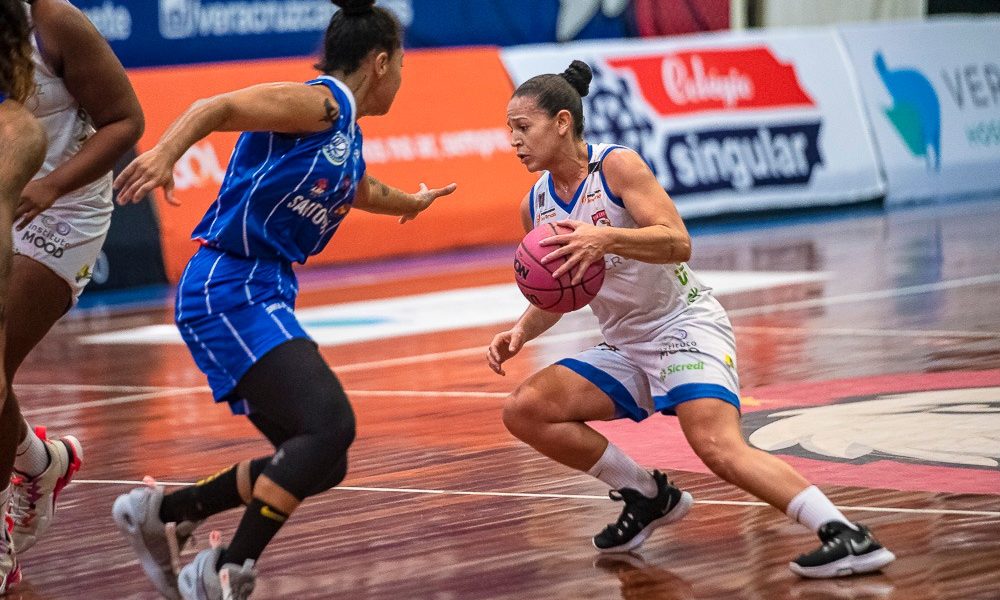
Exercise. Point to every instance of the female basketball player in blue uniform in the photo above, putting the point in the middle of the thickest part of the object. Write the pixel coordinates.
(293, 177)
(669, 346)
(22, 150)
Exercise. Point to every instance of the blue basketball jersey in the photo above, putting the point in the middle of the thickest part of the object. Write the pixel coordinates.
(3, 97)
(284, 195)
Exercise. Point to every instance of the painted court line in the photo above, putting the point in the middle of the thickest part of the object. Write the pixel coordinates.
(170, 392)
(347, 488)
(112, 401)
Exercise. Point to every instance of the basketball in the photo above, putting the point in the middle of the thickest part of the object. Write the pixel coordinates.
(535, 279)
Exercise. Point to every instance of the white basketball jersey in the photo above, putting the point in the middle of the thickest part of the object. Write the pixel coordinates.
(638, 300)
(67, 127)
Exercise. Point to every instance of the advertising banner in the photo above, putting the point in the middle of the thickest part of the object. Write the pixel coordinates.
(932, 90)
(170, 32)
(728, 122)
(446, 125)
(147, 33)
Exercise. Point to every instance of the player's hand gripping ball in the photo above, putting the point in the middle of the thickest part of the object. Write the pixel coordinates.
(535, 279)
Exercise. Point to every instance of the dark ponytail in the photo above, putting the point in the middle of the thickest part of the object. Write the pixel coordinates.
(565, 91)
(354, 31)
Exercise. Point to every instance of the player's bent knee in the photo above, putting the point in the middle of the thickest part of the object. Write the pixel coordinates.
(336, 471)
(522, 413)
(719, 454)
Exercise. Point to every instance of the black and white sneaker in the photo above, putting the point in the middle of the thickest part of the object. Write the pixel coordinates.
(642, 515)
(845, 551)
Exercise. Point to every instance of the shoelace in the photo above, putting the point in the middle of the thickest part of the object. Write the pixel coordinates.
(5, 540)
(174, 545)
(25, 497)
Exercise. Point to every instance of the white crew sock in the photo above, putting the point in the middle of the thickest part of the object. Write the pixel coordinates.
(812, 508)
(32, 456)
(618, 470)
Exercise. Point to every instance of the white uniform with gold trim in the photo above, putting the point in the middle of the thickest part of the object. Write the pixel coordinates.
(667, 339)
(66, 238)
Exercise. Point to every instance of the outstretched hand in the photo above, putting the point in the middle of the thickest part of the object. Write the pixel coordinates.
(150, 170)
(424, 198)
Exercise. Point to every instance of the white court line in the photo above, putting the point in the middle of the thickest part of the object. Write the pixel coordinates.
(86, 387)
(168, 392)
(112, 401)
(347, 488)
(425, 394)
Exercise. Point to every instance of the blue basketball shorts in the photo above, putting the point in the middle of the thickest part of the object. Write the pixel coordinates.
(691, 359)
(231, 311)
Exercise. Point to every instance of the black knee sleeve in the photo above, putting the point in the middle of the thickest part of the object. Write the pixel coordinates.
(299, 404)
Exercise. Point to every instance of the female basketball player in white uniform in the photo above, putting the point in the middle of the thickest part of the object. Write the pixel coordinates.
(669, 346)
(22, 150)
(91, 117)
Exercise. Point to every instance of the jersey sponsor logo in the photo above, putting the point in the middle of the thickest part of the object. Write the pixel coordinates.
(678, 343)
(53, 249)
(714, 80)
(337, 149)
(83, 274)
(60, 227)
(275, 306)
(319, 188)
(312, 210)
(670, 370)
(592, 197)
(540, 200)
(48, 234)
(600, 218)
(545, 216)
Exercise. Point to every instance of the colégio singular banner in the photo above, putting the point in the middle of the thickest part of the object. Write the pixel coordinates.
(728, 122)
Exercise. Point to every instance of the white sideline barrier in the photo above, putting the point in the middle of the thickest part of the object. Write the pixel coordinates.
(932, 92)
(730, 122)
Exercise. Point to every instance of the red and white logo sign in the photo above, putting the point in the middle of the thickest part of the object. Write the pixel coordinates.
(714, 80)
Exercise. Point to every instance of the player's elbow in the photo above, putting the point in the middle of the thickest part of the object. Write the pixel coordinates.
(133, 126)
(681, 249)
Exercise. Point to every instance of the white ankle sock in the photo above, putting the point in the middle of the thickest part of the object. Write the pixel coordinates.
(616, 469)
(32, 456)
(812, 508)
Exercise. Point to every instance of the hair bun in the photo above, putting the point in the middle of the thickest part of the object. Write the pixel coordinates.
(355, 8)
(578, 74)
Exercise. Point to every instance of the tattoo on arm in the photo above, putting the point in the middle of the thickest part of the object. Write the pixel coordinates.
(332, 112)
(383, 187)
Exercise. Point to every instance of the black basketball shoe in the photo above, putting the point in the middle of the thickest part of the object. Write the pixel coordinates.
(844, 551)
(642, 515)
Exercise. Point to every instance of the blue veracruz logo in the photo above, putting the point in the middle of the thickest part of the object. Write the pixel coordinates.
(915, 111)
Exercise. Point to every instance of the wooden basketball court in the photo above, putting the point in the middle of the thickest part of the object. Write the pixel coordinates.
(442, 503)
